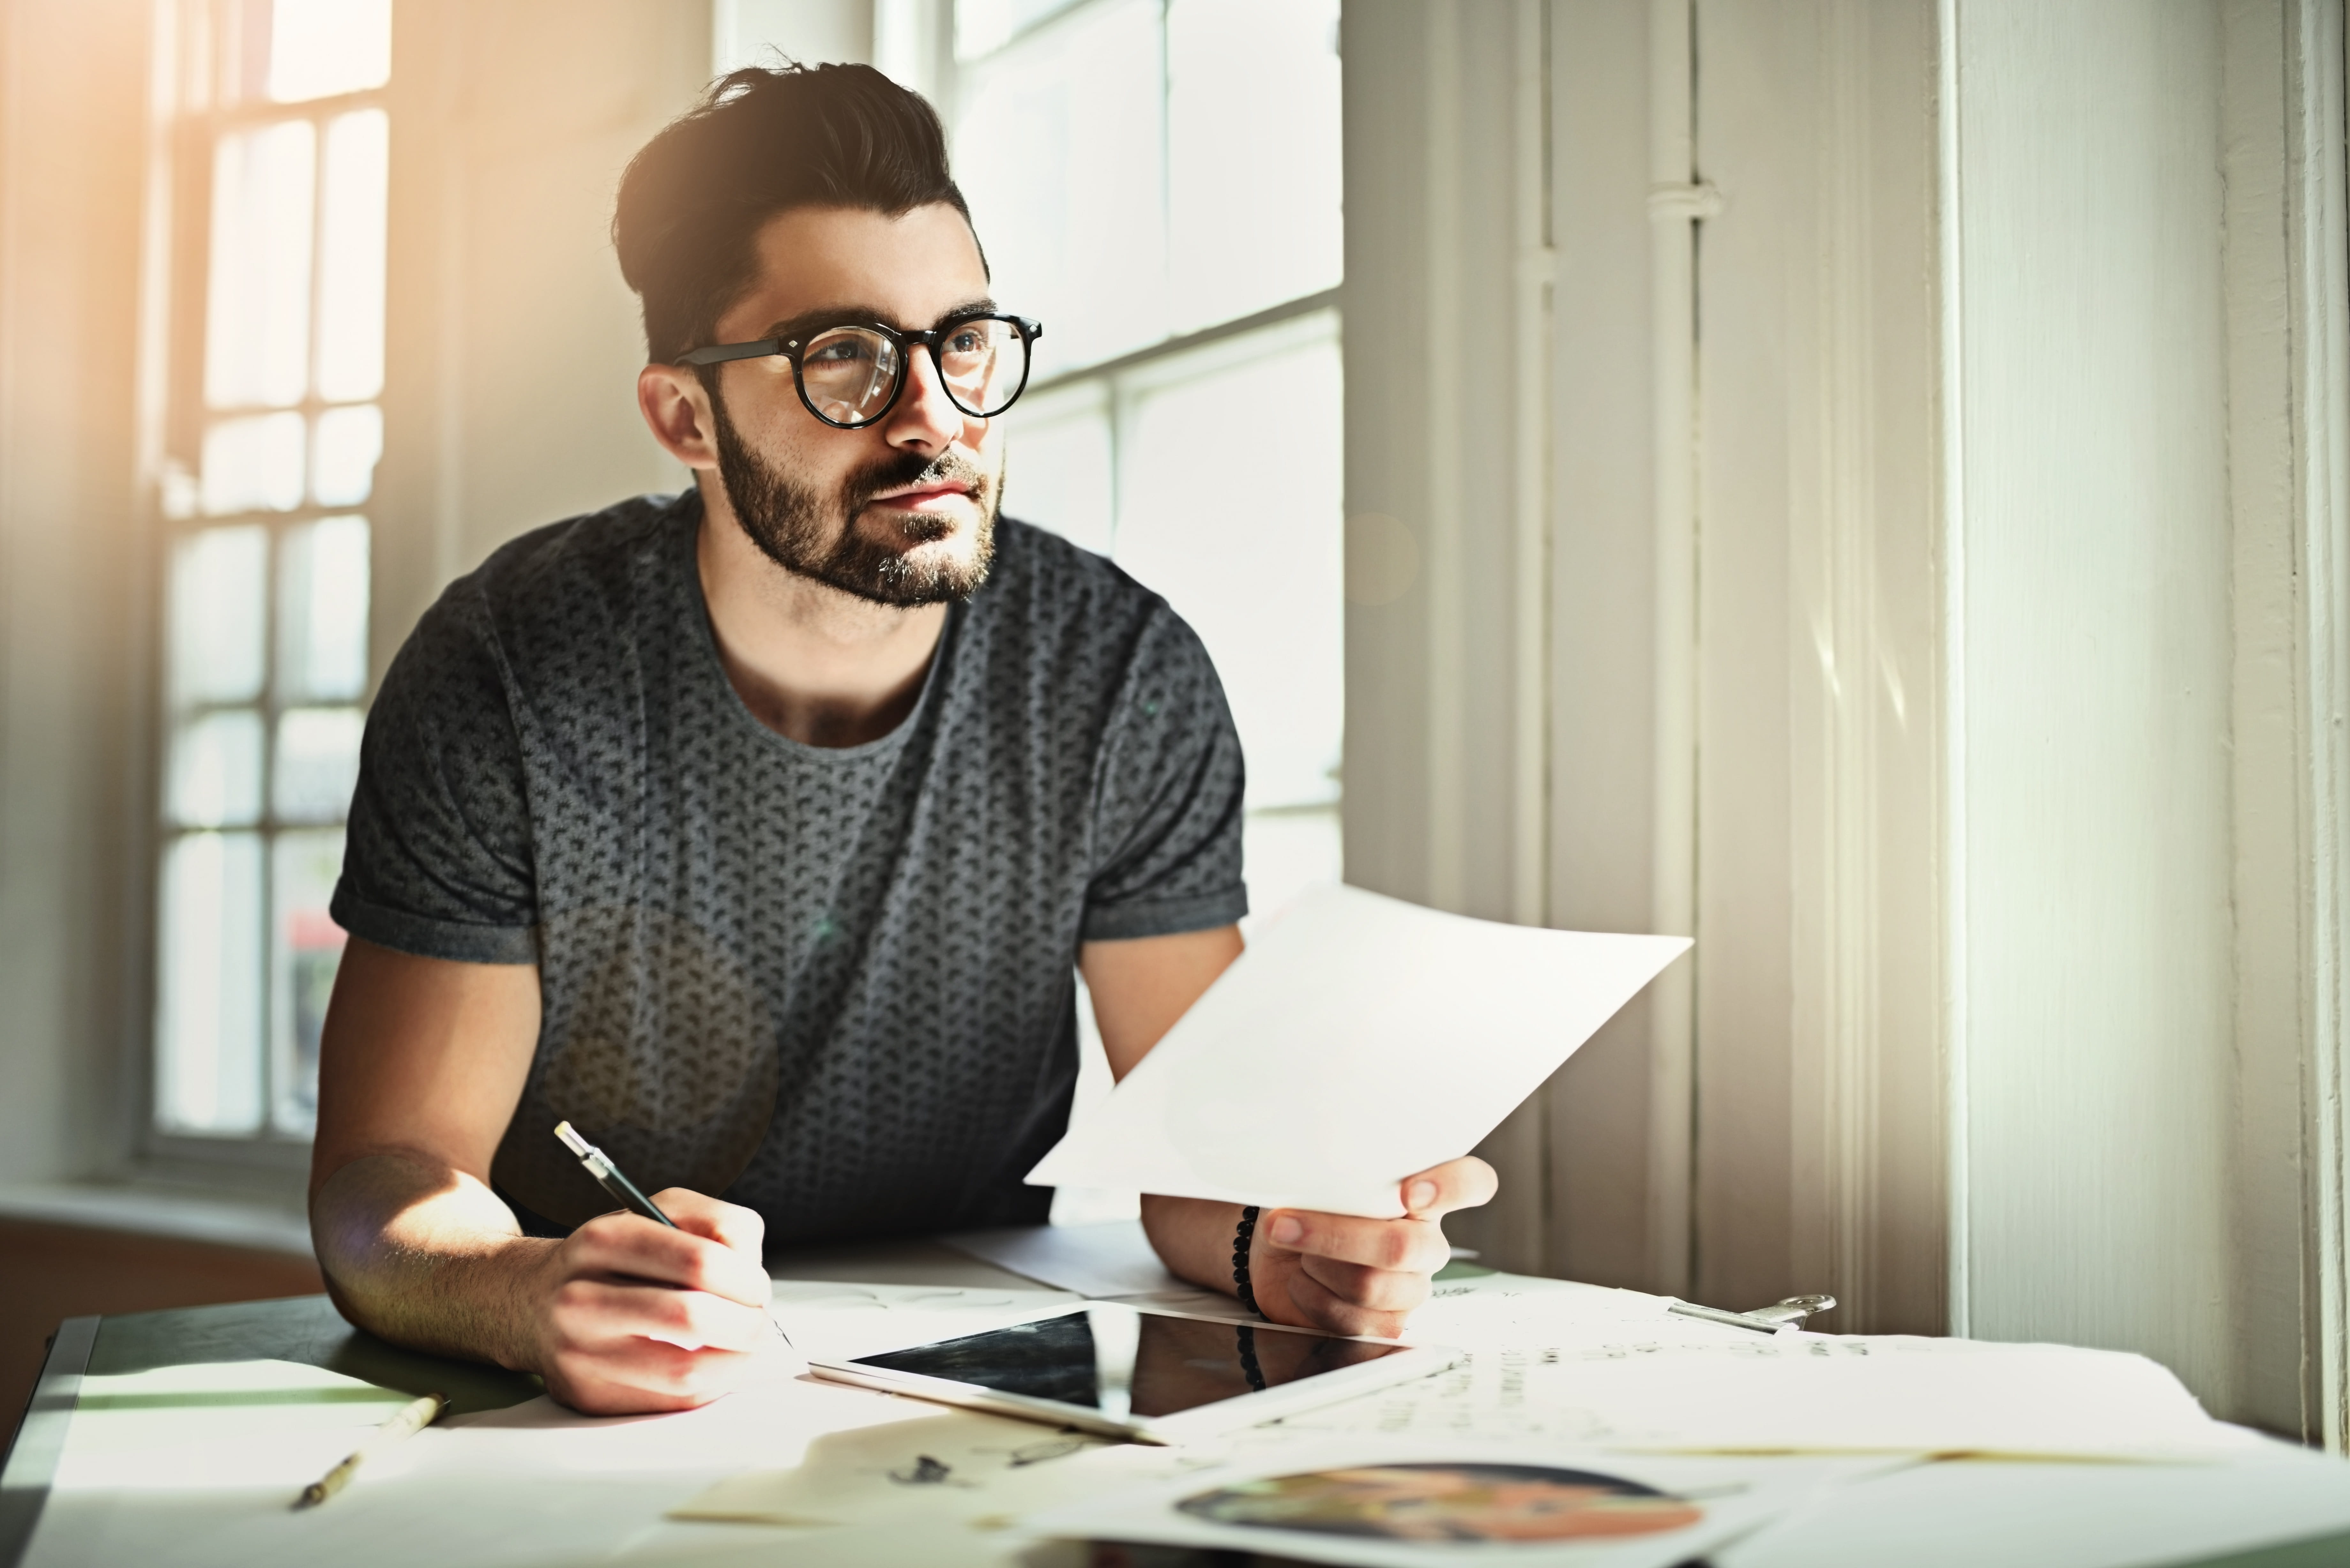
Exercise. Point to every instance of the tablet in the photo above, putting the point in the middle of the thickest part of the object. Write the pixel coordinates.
(1131, 1372)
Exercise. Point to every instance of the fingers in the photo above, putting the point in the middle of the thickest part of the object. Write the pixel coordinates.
(1465, 1183)
(1321, 1307)
(651, 1376)
(1353, 1275)
(635, 1315)
(597, 1314)
(728, 1224)
(629, 1244)
(1375, 1290)
(615, 1348)
(1413, 1245)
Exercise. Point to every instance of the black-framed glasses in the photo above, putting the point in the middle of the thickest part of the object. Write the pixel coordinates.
(850, 374)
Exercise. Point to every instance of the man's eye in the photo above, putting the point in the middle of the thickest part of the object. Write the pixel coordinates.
(970, 340)
(842, 351)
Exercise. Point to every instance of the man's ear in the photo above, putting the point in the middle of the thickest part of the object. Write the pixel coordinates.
(677, 410)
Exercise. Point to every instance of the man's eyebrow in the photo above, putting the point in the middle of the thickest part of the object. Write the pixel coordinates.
(808, 321)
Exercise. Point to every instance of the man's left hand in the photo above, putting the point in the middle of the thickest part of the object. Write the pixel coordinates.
(1350, 1275)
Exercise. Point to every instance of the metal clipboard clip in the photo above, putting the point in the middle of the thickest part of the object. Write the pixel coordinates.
(1788, 1314)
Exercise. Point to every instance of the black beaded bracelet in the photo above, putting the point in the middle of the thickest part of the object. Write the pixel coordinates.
(1241, 1238)
(1250, 1368)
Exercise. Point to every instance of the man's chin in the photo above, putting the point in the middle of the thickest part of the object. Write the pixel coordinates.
(903, 529)
(889, 569)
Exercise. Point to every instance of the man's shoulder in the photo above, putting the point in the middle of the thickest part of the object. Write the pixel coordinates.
(596, 550)
(1044, 581)
(557, 598)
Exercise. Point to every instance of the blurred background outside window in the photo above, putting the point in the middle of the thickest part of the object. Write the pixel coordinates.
(1158, 182)
(278, 185)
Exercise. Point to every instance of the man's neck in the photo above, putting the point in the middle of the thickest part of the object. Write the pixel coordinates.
(812, 663)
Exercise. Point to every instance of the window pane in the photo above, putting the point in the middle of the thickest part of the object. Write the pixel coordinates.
(307, 947)
(349, 443)
(351, 257)
(982, 26)
(1057, 472)
(322, 612)
(318, 764)
(253, 465)
(1058, 142)
(1235, 517)
(208, 1061)
(319, 47)
(257, 332)
(215, 778)
(218, 602)
(1254, 171)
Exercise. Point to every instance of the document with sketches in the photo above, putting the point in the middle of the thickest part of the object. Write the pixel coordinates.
(1612, 1369)
(1359, 1040)
(958, 1464)
(838, 1320)
(1417, 1503)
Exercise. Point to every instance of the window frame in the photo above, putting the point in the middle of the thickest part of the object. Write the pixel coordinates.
(195, 108)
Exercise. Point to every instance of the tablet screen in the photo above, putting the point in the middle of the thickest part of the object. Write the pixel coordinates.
(1126, 1364)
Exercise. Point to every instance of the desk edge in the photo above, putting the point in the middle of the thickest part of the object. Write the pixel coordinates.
(40, 1441)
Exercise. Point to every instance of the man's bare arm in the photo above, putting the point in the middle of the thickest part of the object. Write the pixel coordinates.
(421, 1066)
(1336, 1271)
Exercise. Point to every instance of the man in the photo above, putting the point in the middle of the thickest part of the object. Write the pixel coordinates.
(757, 831)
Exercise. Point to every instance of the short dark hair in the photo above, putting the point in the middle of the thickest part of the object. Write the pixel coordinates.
(761, 142)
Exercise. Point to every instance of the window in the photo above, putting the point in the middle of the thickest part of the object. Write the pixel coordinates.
(274, 431)
(1159, 181)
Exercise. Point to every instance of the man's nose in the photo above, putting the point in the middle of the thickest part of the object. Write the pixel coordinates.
(925, 416)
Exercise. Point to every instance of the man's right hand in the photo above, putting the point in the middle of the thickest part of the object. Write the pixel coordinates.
(419, 1068)
(628, 1315)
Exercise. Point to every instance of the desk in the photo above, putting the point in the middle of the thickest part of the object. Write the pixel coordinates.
(545, 1487)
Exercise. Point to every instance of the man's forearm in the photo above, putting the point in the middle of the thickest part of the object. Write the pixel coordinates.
(1193, 1238)
(426, 1256)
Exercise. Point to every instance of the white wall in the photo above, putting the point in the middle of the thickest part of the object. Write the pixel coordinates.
(1435, 669)
(762, 32)
(2092, 680)
(2011, 421)
(510, 398)
(1796, 1146)
(73, 578)
(1818, 1153)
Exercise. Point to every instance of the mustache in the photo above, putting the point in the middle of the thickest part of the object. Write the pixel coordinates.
(902, 470)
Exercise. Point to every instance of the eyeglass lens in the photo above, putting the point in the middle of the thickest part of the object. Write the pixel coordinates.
(850, 373)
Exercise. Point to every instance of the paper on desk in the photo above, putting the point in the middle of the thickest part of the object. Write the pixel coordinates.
(960, 1464)
(1359, 1040)
(1613, 1369)
(225, 1423)
(830, 1320)
(1419, 1502)
(1113, 1258)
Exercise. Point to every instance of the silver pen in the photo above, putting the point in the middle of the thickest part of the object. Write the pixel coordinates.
(610, 1177)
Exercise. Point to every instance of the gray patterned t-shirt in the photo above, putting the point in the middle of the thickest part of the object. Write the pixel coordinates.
(833, 984)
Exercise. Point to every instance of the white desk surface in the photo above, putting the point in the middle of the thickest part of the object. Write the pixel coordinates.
(150, 1471)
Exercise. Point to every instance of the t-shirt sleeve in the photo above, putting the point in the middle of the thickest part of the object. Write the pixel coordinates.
(437, 859)
(1168, 806)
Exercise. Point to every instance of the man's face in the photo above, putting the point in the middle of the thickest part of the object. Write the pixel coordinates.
(900, 512)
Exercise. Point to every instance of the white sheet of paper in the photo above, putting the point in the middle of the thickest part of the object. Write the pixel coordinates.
(1613, 1369)
(1113, 1258)
(1359, 1040)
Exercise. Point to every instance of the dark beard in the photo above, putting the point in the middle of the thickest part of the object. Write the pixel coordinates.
(787, 521)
